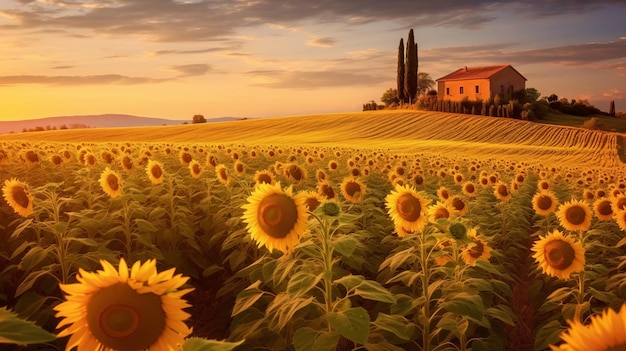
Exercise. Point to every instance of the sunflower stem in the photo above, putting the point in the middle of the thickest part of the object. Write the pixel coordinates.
(425, 283)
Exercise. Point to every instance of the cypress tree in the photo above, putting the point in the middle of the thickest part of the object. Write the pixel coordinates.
(612, 108)
(400, 79)
(410, 71)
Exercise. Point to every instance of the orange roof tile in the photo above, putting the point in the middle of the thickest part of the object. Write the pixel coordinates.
(483, 72)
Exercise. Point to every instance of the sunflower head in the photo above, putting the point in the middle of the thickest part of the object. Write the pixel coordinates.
(458, 231)
(544, 202)
(222, 174)
(559, 255)
(469, 189)
(110, 183)
(311, 199)
(603, 208)
(326, 190)
(606, 331)
(501, 191)
(18, 197)
(195, 170)
(130, 308)
(264, 176)
(329, 208)
(441, 211)
(352, 189)
(477, 249)
(407, 208)
(154, 169)
(275, 217)
(574, 215)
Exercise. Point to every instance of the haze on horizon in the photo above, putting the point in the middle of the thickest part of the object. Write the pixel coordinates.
(176, 58)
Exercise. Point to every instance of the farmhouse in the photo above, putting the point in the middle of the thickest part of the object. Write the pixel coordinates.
(479, 83)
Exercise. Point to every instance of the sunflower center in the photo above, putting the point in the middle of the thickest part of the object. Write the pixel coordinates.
(409, 207)
(312, 202)
(477, 250)
(458, 204)
(156, 171)
(621, 203)
(127, 162)
(264, 178)
(604, 208)
(575, 215)
(239, 168)
(503, 191)
(469, 188)
(122, 319)
(559, 254)
(620, 347)
(113, 182)
(223, 174)
(352, 188)
(441, 212)
(295, 172)
(544, 202)
(277, 215)
(32, 156)
(20, 196)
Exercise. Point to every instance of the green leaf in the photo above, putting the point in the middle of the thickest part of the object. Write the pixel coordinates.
(372, 290)
(352, 324)
(145, 226)
(14, 330)
(403, 305)
(34, 256)
(548, 335)
(502, 313)
(247, 298)
(345, 245)
(301, 282)
(201, 344)
(604, 296)
(350, 281)
(395, 324)
(465, 304)
(20, 228)
(309, 339)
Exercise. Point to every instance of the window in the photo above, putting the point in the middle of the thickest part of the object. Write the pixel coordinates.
(447, 91)
(477, 89)
(461, 90)
(501, 89)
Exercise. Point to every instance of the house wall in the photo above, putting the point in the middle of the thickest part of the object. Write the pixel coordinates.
(498, 83)
(451, 90)
(506, 81)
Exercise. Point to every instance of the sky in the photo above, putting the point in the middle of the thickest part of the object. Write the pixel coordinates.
(263, 58)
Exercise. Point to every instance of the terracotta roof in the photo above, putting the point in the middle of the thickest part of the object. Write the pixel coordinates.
(483, 72)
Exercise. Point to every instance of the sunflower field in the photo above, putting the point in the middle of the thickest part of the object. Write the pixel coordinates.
(330, 246)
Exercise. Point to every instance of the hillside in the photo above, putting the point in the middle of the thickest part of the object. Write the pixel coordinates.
(94, 121)
(404, 131)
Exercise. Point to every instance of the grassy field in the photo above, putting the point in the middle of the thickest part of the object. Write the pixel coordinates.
(380, 230)
(402, 131)
(612, 124)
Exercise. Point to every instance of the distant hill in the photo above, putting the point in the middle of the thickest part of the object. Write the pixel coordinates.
(96, 121)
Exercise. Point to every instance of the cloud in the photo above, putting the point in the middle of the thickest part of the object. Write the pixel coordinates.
(62, 67)
(325, 42)
(569, 55)
(105, 79)
(191, 70)
(174, 21)
(308, 80)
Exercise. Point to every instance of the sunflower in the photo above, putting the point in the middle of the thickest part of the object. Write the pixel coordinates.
(543, 184)
(90, 159)
(222, 174)
(326, 190)
(195, 169)
(441, 210)
(469, 189)
(239, 167)
(127, 163)
(352, 189)
(154, 169)
(501, 191)
(184, 157)
(31, 157)
(275, 217)
(294, 173)
(606, 331)
(18, 197)
(407, 208)
(478, 249)
(264, 176)
(544, 202)
(131, 308)
(443, 193)
(603, 209)
(619, 202)
(559, 255)
(110, 183)
(56, 159)
(311, 199)
(574, 215)
(458, 204)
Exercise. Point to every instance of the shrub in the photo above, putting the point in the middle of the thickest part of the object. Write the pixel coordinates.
(593, 124)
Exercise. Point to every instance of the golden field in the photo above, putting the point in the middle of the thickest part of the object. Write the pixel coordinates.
(380, 230)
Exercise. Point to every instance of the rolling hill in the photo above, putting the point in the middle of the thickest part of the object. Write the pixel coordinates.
(403, 131)
(95, 121)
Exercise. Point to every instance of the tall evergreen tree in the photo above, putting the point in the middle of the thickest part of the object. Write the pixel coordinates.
(410, 70)
(401, 94)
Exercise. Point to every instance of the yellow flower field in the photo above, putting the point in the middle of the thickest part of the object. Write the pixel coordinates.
(401, 230)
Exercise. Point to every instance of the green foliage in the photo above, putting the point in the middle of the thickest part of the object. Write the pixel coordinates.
(14, 330)
(198, 119)
(390, 96)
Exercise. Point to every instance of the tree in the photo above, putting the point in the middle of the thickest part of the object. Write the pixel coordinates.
(425, 83)
(390, 97)
(198, 119)
(410, 70)
(612, 108)
(553, 98)
(532, 95)
(400, 90)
